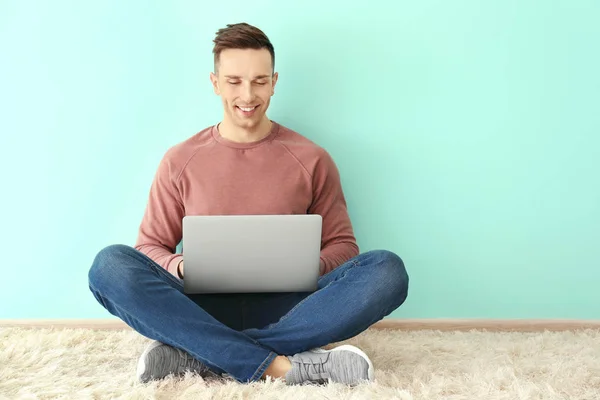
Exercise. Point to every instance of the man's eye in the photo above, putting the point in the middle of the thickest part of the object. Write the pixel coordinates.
(233, 83)
(261, 83)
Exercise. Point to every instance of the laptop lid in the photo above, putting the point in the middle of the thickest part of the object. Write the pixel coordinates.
(251, 253)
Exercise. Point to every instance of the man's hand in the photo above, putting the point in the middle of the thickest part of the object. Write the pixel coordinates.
(180, 269)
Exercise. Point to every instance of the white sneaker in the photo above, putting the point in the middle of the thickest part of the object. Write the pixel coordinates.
(344, 364)
(160, 360)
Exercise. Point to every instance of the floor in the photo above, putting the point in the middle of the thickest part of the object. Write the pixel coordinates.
(67, 363)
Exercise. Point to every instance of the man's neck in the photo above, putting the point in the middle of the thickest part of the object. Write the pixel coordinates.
(236, 134)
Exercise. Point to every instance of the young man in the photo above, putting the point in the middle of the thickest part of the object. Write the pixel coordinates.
(247, 164)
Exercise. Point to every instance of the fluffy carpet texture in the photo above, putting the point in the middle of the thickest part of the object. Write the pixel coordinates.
(100, 364)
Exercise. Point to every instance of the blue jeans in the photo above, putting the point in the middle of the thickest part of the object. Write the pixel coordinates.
(241, 334)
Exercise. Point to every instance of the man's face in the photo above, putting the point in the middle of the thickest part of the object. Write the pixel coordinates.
(245, 82)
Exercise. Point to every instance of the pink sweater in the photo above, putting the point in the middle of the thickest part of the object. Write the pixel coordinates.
(207, 174)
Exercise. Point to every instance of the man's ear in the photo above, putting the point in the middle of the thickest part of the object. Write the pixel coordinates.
(215, 83)
(275, 77)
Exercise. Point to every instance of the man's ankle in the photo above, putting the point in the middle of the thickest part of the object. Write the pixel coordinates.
(278, 368)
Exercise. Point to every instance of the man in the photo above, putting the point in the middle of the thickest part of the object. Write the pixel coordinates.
(248, 164)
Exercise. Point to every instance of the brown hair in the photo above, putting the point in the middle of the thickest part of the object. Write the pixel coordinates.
(241, 36)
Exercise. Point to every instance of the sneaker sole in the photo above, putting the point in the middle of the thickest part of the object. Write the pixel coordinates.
(356, 350)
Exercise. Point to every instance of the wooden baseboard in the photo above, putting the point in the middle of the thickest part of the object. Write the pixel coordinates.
(496, 325)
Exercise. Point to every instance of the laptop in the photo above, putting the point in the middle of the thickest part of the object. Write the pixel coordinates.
(251, 253)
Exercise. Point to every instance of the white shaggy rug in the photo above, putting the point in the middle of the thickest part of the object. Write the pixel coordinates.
(87, 364)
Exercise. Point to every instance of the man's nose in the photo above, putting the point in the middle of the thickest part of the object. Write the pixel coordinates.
(247, 94)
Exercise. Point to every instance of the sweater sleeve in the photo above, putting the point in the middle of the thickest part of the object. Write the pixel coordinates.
(161, 227)
(338, 241)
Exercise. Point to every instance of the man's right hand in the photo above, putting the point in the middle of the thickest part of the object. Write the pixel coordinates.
(180, 269)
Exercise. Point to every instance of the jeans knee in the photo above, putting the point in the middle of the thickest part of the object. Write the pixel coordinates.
(392, 275)
(107, 267)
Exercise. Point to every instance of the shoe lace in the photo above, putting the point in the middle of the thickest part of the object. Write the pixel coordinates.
(189, 362)
(318, 368)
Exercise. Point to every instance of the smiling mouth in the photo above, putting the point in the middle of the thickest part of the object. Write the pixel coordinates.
(247, 109)
(247, 112)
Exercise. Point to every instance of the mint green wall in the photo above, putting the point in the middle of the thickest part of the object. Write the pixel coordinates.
(466, 133)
